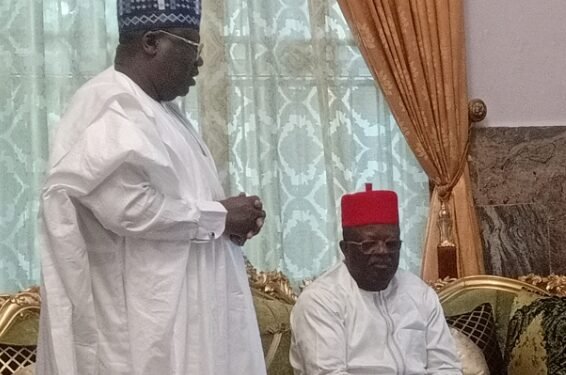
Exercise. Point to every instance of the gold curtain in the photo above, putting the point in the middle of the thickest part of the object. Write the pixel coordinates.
(416, 52)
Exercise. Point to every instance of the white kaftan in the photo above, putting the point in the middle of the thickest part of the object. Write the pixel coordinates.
(338, 328)
(137, 276)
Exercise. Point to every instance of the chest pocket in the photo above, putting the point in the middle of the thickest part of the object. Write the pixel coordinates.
(413, 346)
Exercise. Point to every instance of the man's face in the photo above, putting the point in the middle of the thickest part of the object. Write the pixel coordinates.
(177, 63)
(372, 254)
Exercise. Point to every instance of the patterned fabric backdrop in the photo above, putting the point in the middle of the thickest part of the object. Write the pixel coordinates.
(48, 48)
(306, 125)
(291, 114)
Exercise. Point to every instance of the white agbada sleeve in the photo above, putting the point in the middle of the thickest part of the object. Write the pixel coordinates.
(120, 156)
(441, 355)
(318, 342)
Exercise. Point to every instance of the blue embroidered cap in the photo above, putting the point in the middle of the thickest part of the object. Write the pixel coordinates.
(134, 15)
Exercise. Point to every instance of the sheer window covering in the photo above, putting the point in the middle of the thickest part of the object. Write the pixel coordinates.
(291, 114)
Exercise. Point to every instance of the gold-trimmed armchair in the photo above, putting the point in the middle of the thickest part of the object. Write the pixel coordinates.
(19, 323)
(274, 298)
(16, 310)
(526, 347)
(459, 296)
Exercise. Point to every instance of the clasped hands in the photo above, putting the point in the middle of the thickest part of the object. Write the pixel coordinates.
(245, 217)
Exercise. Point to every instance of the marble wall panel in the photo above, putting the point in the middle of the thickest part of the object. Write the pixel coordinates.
(519, 182)
(557, 239)
(515, 239)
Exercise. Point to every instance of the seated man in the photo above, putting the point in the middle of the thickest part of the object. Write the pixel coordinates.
(364, 316)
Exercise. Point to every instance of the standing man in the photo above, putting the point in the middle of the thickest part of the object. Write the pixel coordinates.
(140, 273)
(364, 316)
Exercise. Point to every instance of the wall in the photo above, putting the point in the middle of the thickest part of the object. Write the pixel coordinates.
(516, 64)
(517, 60)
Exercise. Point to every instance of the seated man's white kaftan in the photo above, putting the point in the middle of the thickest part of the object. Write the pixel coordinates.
(338, 328)
(137, 276)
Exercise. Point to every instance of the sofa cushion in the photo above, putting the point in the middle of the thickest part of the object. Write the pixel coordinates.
(14, 357)
(471, 356)
(479, 326)
(535, 341)
(274, 327)
(28, 370)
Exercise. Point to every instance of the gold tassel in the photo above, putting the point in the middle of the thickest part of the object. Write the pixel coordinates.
(447, 252)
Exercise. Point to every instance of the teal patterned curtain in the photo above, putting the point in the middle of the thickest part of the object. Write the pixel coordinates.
(47, 50)
(291, 114)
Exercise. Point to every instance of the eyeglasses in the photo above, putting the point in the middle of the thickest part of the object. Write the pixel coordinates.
(367, 247)
(185, 40)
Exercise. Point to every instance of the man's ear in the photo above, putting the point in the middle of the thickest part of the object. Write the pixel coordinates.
(149, 43)
(343, 247)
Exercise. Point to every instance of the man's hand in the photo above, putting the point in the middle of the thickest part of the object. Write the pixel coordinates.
(245, 217)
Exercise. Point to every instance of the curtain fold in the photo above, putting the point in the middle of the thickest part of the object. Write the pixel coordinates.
(416, 52)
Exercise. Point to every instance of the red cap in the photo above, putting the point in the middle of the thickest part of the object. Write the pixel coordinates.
(370, 207)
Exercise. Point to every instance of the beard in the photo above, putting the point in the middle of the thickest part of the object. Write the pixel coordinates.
(373, 280)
